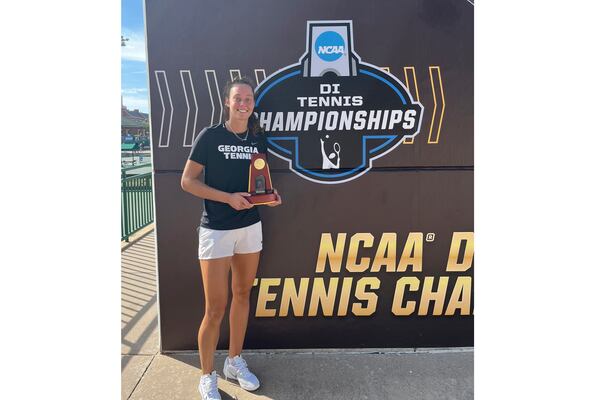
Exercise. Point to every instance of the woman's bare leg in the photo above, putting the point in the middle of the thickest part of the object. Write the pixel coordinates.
(243, 272)
(215, 277)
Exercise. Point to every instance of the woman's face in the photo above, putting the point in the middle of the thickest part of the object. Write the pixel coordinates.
(240, 102)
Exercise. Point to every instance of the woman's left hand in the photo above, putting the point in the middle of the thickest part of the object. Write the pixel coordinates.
(277, 202)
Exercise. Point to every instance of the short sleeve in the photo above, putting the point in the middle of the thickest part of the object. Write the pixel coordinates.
(200, 148)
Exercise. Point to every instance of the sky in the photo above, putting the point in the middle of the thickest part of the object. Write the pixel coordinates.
(134, 75)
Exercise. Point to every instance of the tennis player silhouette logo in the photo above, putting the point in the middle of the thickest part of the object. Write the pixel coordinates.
(327, 164)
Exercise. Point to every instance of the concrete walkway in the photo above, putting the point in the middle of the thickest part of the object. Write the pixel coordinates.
(423, 374)
(139, 319)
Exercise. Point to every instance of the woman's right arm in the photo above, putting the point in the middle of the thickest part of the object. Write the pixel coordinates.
(191, 183)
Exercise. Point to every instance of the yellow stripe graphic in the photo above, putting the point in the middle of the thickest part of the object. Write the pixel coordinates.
(412, 88)
(435, 138)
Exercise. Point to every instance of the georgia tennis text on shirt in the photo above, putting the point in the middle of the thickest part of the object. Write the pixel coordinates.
(237, 152)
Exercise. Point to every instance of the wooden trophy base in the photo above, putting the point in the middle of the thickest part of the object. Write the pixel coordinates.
(259, 181)
(259, 199)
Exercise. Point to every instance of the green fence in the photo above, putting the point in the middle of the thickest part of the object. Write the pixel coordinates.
(137, 206)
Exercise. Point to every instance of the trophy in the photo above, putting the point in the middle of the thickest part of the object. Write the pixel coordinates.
(259, 182)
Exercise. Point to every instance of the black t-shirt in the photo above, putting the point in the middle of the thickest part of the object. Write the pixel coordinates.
(226, 160)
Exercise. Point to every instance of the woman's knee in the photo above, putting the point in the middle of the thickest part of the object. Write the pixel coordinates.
(241, 293)
(214, 312)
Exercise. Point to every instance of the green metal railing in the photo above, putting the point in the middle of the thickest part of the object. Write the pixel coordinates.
(137, 207)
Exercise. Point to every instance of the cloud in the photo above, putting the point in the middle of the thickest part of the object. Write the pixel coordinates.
(135, 47)
(134, 91)
(136, 102)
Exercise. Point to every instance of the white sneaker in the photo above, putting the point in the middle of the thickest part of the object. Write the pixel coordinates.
(208, 387)
(237, 368)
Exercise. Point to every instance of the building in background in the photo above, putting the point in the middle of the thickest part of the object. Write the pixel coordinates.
(135, 127)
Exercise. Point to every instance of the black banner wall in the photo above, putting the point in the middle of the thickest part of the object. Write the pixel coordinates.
(368, 108)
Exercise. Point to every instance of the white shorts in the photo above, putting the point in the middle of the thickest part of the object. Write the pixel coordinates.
(214, 243)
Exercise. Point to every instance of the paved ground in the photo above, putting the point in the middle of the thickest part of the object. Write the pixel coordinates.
(139, 320)
(333, 374)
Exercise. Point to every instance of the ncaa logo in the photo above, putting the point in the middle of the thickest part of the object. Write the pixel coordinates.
(329, 46)
(331, 114)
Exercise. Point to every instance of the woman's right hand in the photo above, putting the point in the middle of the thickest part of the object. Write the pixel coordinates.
(238, 201)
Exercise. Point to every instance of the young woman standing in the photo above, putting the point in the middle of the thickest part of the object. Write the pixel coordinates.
(230, 233)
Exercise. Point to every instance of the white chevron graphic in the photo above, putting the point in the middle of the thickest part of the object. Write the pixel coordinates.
(186, 141)
(235, 73)
(162, 101)
(262, 77)
(210, 93)
(187, 82)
